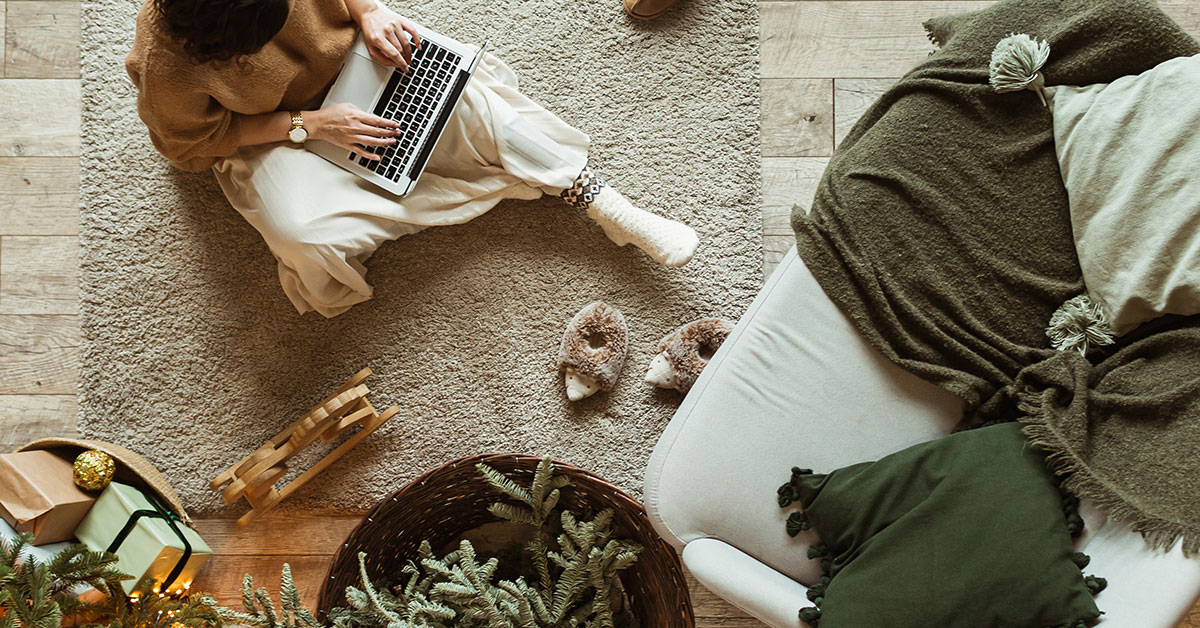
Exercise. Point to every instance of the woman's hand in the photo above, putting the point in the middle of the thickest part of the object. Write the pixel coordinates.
(384, 32)
(351, 128)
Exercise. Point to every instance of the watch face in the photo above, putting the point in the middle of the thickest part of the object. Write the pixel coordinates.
(298, 135)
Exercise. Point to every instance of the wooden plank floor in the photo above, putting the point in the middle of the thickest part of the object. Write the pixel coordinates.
(823, 62)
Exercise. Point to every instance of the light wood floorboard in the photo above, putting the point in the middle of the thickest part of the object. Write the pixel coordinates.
(855, 39)
(38, 274)
(26, 418)
(39, 355)
(797, 117)
(42, 39)
(823, 63)
(31, 128)
(851, 98)
(1186, 12)
(39, 196)
(3, 34)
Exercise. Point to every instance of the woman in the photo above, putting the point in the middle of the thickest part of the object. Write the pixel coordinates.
(221, 83)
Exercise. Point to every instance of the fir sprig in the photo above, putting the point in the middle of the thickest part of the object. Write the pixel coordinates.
(157, 611)
(40, 594)
(259, 611)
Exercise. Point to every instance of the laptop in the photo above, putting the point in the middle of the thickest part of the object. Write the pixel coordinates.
(420, 100)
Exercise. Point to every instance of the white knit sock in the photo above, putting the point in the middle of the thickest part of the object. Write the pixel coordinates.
(669, 242)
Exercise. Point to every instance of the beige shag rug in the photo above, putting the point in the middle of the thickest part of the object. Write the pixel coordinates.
(192, 355)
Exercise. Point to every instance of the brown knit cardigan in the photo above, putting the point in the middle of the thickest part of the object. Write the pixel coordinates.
(194, 110)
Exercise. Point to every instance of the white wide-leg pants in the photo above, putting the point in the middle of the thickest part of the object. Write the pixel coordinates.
(322, 222)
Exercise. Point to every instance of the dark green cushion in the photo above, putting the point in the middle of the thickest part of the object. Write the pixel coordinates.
(966, 531)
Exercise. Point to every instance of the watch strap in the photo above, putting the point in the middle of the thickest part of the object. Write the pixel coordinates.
(297, 120)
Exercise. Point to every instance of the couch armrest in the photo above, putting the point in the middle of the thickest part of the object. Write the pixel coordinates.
(1146, 588)
(748, 584)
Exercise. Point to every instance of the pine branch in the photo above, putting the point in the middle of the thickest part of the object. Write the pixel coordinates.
(10, 550)
(602, 601)
(516, 514)
(292, 607)
(541, 481)
(30, 597)
(368, 589)
(601, 525)
(156, 611)
(267, 608)
(230, 616)
(248, 595)
(502, 483)
(77, 565)
(550, 504)
(536, 548)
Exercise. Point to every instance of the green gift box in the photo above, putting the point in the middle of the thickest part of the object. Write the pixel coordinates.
(150, 541)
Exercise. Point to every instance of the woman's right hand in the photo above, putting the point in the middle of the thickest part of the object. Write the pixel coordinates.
(351, 128)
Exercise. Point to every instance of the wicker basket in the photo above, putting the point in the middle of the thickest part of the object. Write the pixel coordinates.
(448, 501)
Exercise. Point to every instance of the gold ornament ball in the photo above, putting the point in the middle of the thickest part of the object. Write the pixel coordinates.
(94, 470)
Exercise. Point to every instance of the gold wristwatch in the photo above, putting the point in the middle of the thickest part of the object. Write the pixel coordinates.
(298, 133)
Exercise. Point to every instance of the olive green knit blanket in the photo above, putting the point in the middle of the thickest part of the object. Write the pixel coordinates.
(941, 227)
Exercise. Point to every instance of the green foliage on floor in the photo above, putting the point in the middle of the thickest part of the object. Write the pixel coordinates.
(573, 580)
(38, 594)
(42, 593)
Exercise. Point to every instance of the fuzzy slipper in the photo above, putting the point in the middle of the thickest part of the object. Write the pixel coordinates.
(683, 353)
(593, 350)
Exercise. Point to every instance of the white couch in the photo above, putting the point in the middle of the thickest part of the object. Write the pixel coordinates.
(796, 385)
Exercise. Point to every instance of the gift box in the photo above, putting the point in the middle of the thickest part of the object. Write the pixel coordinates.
(151, 543)
(38, 553)
(38, 495)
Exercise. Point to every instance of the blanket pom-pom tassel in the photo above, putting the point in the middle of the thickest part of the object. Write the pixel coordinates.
(811, 615)
(1079, 324)
(1016, 64)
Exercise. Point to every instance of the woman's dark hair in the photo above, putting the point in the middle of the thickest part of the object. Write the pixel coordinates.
(219, 30)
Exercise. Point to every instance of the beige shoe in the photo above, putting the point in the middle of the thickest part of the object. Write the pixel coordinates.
(647, 9)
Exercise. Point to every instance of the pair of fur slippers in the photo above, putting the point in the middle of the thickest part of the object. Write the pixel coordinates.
(596, 341)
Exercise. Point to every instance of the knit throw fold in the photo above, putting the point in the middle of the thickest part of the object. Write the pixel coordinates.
(941, 227)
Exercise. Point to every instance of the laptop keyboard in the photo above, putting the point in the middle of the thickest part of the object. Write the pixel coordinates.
(411, 99)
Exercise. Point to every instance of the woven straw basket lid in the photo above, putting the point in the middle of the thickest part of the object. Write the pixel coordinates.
(131, 464)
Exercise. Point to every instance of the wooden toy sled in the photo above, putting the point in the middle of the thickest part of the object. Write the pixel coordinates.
(254, 478)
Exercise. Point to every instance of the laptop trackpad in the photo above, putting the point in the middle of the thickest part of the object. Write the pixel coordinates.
(360, 83)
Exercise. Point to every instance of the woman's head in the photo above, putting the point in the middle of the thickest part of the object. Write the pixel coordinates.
(218, 30)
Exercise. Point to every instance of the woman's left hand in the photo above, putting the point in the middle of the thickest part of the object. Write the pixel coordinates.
(384, 31)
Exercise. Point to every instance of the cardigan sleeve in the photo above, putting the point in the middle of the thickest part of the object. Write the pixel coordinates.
(187, 125)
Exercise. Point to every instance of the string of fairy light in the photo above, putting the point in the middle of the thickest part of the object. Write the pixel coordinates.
(179, 593)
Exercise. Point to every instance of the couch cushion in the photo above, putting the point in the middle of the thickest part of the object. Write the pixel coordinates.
(963, 531)
(1128, 152)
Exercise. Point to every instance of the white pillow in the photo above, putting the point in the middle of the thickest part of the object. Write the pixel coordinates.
(1129, 152)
